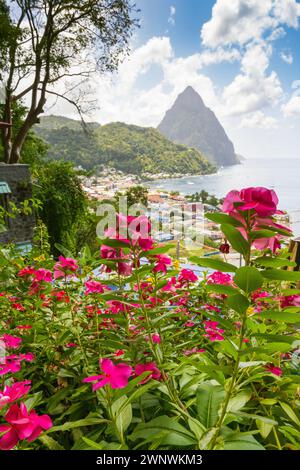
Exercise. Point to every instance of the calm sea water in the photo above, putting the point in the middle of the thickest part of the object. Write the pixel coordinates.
(282, 175)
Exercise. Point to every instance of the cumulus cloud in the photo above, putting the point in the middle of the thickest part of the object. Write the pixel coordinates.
(292, 107)
(123, 97)
(259, 120)
(241, 21)
(287, 57)
(254, 88)
(237, 21)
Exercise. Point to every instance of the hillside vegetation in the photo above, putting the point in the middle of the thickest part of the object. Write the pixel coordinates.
(129, 148)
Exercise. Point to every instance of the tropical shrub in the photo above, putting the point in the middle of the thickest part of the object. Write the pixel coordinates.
(151, 356)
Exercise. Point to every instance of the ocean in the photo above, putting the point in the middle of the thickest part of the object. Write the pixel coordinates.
(282, 175)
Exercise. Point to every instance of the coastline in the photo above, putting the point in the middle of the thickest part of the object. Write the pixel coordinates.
(168, 177)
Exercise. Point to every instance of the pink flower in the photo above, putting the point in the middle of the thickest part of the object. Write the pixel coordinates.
(107, 252)
(231, 201)
(162, 261)
(274, 370)
(262, 200)
(189, 324)
(24, 327)
(13, 393)
(189, 352)
(258, 295)
(22, 425)
(124, 269)
(61, 296)
(171, 285)
(115, 375)
(71, 345)
(211, 308)
(271, 243)
(11, 342)
(28, 271)
(94, 287)
(64, 266)
(156, 338)
(12, 363)
(220, 278)
(18, 307)
(119, 352)
(42, 274)
(187, 275)
(212, 331)
(146, 244)
(68, 264)
(289, 301)
(148, 367)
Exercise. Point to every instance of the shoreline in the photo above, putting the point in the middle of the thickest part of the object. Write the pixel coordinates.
(189, 175)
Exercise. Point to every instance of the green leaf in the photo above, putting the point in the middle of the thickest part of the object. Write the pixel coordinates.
(236, 239)
(157, 251)
(268, 261)
(221, 289)
(92, 444)
(239, 441)
(113, 243)
(283, 232)
(209, 400)
(290, 412)
(122, 412)
(282, 316)
(238, 302)
(34, 400)
(280, 275)
(239, 401)
(248, 279)
(221, 218)
(167, 430)
(77, 424)
(51, 443)
(257, 234)
(214, 264)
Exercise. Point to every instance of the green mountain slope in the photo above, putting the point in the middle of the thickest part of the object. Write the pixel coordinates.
(129, 148)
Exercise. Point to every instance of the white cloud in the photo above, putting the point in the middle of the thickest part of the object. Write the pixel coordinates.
(292, 107)
(241, 21)
(260, 120)
(171, 19)
(287, 57)
(124, 98)
(237, 21)
(278, 33)
(287, 12)
(253, 89)
(296, 84)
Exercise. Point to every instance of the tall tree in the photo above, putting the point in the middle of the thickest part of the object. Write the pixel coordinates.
(48, 41)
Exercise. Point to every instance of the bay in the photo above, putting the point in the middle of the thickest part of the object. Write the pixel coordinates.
(282, 175)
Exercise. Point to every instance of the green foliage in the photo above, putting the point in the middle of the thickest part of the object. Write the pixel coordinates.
(128, 148)
(64, 208)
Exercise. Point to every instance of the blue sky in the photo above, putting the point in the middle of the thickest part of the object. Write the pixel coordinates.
(241, 56)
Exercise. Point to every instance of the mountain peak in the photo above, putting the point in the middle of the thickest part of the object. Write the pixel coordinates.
(191, 123)
(189, 98)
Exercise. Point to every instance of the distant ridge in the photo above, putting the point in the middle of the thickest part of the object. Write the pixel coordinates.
(131, 149)
(191, 123)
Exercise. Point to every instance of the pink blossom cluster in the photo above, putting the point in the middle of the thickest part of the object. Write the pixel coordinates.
(218, 277)
(117, 375)
(260, 205)
(212, 332)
